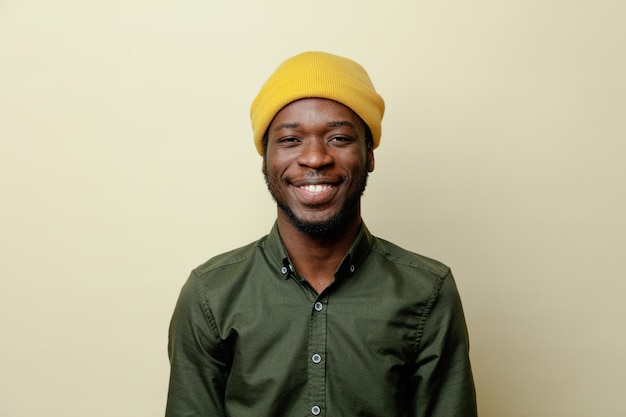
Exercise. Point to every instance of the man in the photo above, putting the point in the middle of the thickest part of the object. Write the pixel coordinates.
(319, 317)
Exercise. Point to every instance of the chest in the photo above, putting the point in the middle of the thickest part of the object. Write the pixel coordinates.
(373, 330)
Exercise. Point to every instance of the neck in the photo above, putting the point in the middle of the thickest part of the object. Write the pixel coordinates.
(316, 258)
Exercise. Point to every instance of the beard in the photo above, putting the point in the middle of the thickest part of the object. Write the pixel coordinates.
(327, 227)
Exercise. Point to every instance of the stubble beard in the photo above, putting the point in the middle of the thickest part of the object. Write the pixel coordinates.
(323, 228)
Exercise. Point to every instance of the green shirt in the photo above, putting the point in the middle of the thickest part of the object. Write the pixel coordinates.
(251, 338)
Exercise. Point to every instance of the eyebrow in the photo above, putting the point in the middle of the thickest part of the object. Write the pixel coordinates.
(336, 123)
(286, 126)
(340, 123)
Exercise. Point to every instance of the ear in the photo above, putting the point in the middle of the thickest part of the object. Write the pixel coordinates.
(370, 159)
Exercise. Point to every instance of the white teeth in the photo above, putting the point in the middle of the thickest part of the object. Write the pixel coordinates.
(316, 188)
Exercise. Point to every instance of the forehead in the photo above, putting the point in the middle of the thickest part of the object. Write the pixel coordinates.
(315, 111)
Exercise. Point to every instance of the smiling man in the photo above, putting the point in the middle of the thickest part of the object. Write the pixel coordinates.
(319, 317)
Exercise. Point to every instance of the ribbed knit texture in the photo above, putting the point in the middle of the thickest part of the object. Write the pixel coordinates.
(317, 75)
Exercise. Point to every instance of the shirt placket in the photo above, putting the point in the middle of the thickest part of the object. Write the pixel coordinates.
(317, 358)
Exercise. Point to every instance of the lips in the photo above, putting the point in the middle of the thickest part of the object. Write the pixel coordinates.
(314, 193)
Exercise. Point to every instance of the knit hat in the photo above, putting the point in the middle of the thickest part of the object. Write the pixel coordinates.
(317, 75)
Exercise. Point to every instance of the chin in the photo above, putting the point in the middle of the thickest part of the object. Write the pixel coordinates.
(321, 227)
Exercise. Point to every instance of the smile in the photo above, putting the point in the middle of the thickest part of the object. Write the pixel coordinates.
(315, 194)
(316, 188)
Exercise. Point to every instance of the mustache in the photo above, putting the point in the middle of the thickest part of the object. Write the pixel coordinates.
(311, 174)
(314, 177)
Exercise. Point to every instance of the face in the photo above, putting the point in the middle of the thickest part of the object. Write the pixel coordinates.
(316, 165)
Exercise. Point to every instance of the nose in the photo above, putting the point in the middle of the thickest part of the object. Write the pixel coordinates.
(315, 154)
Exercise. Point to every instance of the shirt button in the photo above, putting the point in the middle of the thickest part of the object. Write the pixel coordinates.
(315, 410)
(316, 358)
(283, 270)
(352, 268)
(318, 306)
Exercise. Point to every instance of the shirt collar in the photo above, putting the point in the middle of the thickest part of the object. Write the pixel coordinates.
(357, 253)
(355, 256)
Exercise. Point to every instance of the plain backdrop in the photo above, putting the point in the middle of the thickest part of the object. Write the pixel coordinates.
(126, 160)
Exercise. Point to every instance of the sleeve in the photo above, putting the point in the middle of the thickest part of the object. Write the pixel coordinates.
(442, 384)
(198, 364)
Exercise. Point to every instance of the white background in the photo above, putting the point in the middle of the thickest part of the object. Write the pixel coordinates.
(126, 160)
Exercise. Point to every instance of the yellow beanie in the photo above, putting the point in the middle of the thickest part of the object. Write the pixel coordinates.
(317, 75)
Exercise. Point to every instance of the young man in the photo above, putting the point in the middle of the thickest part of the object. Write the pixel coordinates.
(319, 318)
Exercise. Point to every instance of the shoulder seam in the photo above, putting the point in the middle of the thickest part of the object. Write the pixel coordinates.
(426, 313)
(206, 309)
(222, 264)
(445, 270)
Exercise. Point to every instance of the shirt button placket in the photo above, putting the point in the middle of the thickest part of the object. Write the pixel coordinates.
(317, 353)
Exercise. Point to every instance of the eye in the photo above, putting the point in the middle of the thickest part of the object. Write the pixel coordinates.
(287, 140)
(341, 140)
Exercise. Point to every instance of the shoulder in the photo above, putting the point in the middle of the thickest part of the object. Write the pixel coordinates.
(219, 282)
(230, 260)
(225, 259)
(428, 279)
(406, 259)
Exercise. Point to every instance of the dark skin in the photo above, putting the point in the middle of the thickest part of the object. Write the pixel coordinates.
(316, 163)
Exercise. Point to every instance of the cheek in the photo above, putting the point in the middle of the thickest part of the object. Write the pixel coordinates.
(276, 165)
(359, 162)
